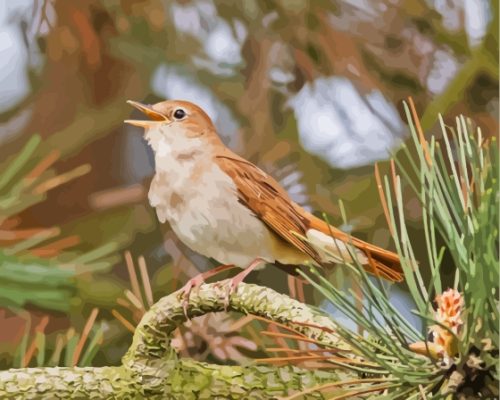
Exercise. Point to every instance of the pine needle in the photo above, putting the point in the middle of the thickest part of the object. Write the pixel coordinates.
(40, 328)
(123, 302)
(279, 340)
(279, 324)
(241, 322)
(86, 330)
(54, 248)
(291, 286)
(145, 281)
(61, 179)
(136, 302)
(354, 393)
(7, 234)
(382, 198)
(332, 386)
(123, 320)
(42, 166)
(289, 336)
(134, 282)
(297, 351)
(298, 359)
(418, 127)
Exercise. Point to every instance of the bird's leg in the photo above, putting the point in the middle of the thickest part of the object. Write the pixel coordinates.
(198, 280)
(235, 281)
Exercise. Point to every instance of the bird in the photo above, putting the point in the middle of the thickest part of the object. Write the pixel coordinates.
(224, 207)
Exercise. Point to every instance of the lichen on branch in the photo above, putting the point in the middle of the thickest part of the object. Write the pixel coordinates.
(152, 369)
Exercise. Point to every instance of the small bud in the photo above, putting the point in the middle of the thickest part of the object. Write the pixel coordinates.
(442, 343)
(450, 305)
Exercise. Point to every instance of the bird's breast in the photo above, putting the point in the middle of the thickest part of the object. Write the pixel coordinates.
(206, 215)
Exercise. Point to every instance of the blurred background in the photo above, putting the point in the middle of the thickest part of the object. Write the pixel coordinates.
(311, 91)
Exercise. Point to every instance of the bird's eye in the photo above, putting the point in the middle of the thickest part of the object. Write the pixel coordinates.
(179, 113)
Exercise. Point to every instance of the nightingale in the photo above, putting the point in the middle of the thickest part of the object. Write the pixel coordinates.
(224, 207)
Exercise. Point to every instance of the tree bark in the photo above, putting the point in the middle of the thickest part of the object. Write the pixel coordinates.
(151, 368)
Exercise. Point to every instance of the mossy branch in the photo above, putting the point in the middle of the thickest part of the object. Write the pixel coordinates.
(151, 368)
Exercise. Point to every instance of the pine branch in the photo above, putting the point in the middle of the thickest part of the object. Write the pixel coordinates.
(152, 369)
(455, 182)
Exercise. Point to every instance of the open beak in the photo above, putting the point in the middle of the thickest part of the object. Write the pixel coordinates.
(155, 116)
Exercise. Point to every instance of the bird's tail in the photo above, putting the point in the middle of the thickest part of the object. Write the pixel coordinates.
(330, 243)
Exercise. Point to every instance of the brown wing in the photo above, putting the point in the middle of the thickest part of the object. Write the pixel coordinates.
(267, 199)
(381, 262)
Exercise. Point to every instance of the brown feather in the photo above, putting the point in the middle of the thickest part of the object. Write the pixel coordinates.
(382, 262)
(269, 201)
(266, 199)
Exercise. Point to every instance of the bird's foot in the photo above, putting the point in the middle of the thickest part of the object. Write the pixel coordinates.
(197, 281)
(233, 284)
(235, 281)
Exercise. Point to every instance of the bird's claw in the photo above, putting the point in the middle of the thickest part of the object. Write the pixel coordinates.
(235, 281)
(184, 295)
(185, 292)
(229, 292)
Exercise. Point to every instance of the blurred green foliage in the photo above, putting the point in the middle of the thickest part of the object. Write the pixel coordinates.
(97, 54)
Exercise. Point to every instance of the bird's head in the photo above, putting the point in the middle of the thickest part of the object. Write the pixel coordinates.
(178, 125)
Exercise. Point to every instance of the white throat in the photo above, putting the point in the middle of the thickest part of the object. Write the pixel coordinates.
(172, 146)
(178, 161)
